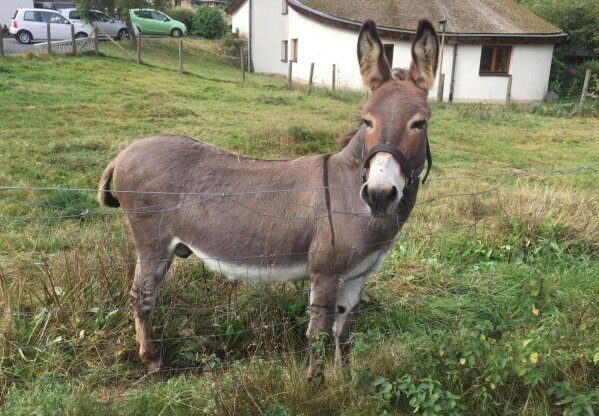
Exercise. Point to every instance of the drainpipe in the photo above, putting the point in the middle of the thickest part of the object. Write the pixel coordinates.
(250, 64)
(452, 84)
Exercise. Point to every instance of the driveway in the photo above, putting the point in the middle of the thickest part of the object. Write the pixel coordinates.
(12, 46)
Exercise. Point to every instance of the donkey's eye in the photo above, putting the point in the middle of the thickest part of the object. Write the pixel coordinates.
(418, 125)
(367, 122)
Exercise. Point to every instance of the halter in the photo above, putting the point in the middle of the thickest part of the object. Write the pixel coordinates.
(405, 164)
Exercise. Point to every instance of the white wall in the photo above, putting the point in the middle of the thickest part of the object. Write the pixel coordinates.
(529, 67)
(8, 8)
(240, 21)
(269, 29)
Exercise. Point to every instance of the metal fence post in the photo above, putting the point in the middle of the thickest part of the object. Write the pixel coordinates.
(289, 75)
(241, 64)
(311, 78)
(1, 46)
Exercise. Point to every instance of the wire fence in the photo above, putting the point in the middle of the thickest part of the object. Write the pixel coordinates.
(39, 270)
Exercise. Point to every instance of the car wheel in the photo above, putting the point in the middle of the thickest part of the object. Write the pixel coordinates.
(123, 34)
(176, 33)
(81, 35)
(24, 37)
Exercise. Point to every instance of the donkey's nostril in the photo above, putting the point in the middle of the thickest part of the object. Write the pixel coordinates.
(392, 194)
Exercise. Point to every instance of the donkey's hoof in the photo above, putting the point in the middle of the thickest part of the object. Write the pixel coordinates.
(153, 366)
(316, 380)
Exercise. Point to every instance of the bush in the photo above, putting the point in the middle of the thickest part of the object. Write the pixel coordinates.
(231, 49)
(208, 22)
(183, 15)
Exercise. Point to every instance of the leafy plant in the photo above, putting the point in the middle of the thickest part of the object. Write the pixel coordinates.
(208, 22)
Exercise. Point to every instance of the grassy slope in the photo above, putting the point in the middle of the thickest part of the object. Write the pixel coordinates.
(501, 317)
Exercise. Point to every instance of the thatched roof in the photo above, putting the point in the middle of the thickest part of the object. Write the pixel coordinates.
(468, 21)
(505, 17)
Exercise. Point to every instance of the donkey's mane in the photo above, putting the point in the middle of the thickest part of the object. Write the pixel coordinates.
(346, 138)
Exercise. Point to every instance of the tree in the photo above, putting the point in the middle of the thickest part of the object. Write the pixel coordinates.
(580, 20)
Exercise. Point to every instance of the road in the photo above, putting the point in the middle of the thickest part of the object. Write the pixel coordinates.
(12, 46)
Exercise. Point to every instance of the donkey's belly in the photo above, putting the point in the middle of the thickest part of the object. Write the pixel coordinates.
(254, 268)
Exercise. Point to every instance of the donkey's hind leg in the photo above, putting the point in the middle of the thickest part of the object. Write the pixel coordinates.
(149, 275)
(348, 298)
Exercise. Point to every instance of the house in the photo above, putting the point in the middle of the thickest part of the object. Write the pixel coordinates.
(487, 43)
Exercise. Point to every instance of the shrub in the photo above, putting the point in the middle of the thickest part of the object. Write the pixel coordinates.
(208, 22)
(231, 49)
(183, 15)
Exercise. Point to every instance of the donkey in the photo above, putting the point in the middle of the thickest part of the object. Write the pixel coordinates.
(329, 217)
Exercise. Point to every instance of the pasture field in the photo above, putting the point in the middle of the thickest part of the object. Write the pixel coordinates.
(488, 302)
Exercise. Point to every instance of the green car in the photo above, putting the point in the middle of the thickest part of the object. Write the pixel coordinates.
(153, 22)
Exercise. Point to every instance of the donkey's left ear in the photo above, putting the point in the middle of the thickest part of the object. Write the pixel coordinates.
(425, 55)
(374, 67)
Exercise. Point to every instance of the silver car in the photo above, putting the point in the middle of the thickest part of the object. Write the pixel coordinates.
(113, 28)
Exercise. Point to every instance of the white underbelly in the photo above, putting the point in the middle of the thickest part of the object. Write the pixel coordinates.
(259, 269)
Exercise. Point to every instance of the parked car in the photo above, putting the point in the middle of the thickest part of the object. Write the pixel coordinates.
(153, 22)
(29, 25)
(115, 29)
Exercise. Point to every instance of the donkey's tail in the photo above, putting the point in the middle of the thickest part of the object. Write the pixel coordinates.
(104, 195)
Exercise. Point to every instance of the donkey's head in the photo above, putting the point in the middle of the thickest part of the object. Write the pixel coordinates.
(395, 117)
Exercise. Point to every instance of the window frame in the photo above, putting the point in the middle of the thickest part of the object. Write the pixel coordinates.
(284, 51)
(294, 50)
(284, 7)
(388, 49)
(493, 70)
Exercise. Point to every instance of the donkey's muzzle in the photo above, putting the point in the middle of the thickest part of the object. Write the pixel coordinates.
(381, 200)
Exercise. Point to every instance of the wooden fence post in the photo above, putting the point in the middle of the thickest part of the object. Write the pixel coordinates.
(440, 87)
(138, 48)
(73, 40)
(49, 38)
(181, 56)
(95, 34)
(311, 78)
(333, 80)
(508, 94)
(289, 75)
(241, 64)
(1, 46)
(585, 88)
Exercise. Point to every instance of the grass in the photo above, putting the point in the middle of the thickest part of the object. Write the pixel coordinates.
(486, 303)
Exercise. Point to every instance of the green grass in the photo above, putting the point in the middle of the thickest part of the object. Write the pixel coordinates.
(487, 303)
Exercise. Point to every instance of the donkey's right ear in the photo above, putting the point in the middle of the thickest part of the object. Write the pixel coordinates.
(374, 67)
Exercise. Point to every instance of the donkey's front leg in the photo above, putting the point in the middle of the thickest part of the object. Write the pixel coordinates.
(348, 298)
(323, 294)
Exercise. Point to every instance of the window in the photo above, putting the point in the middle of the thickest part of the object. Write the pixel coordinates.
(159, 16)
(294, 50)
(389, 53)
(284, 51)
(495, 60)
(284, 9)
(29, 16)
